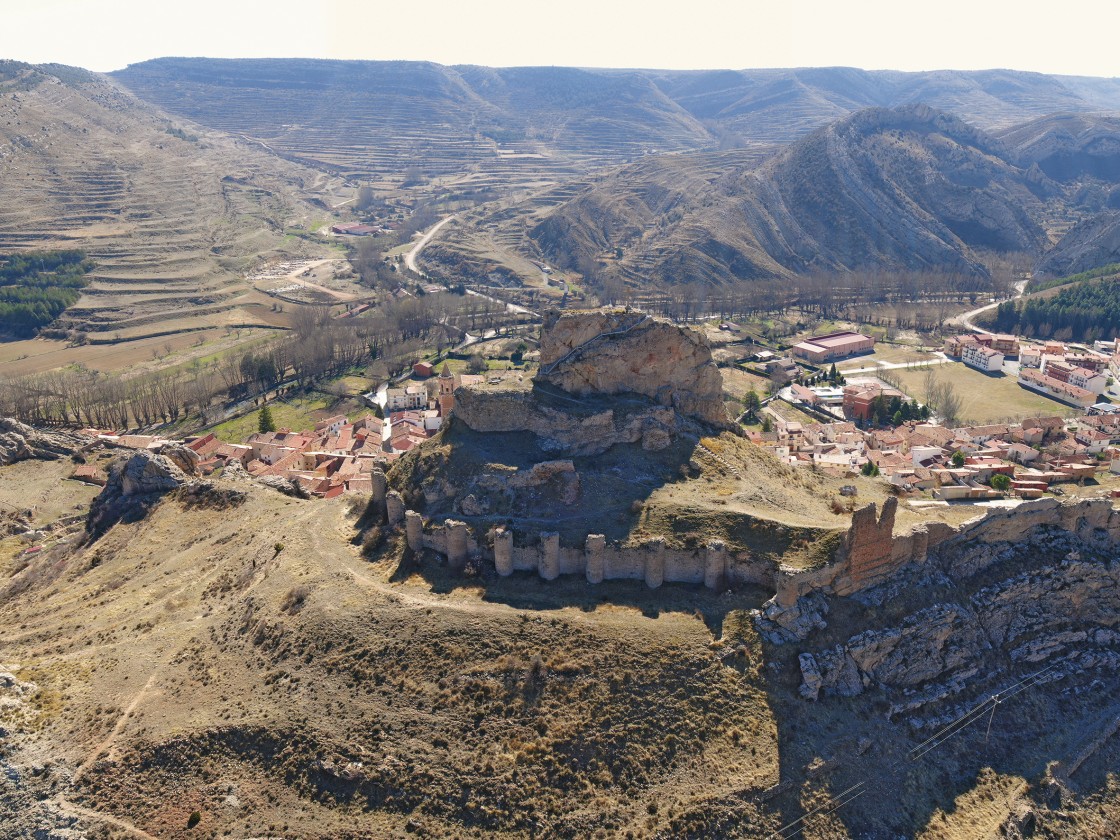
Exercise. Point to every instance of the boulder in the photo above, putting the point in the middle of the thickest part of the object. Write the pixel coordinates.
(287, 486)
(136, 484)
(181, 456)
(811, 681)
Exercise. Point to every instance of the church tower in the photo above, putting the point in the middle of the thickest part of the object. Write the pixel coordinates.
(446, 392)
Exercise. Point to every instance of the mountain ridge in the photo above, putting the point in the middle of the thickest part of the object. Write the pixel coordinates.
(660, 110)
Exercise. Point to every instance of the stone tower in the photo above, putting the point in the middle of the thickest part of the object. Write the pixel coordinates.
(446, 392)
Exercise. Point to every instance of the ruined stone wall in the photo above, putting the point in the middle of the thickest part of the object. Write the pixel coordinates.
(871, 555)
(870, 551)
(597, 560)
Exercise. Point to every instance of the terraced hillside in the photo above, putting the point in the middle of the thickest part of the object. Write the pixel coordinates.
(783, 104)
(171, 214)
(1067, 147)
(392, 120)
(497, 126)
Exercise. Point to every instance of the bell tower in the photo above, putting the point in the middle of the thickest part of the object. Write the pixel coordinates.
(446, 392)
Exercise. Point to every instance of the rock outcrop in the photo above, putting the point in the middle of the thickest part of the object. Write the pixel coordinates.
(568, 429)
(136, 483)
(287, 486)
(19, 442)
(1017, 590)
(606, 377)
(611, 352)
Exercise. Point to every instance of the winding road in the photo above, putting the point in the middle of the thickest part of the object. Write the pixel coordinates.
(965, 318)
(422, 243)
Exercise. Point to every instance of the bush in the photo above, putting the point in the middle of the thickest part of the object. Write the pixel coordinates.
(372, 540)
(194, 819)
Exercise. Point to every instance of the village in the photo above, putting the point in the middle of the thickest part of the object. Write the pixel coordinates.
(337, 455)
(843, 424)
(858, 426)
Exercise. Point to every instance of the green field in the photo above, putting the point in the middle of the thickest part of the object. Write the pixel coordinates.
(790, 413)
(296, 414)
(986, 399)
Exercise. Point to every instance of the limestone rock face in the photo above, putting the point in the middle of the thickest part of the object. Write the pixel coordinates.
(571, 433)
(136, 484)
(1060, 611)
(287, 486)
(19, 442)
(181, 456)
(613, 353)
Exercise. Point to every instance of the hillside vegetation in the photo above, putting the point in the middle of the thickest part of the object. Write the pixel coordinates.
(35, 288)
(170, 217)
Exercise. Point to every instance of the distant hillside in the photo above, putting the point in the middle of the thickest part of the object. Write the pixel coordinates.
(908, 188)
(1093, 243)
(169, 212)
(386, 119)
(379, 119)
(1067, 147)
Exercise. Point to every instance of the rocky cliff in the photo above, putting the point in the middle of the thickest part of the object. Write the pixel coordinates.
(1036, 586)
(19, 442)
(611, 352)
(570, 428)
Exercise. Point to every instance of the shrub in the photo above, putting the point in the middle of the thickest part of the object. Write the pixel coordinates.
(194, 819)
(295, 599)
(372, 540)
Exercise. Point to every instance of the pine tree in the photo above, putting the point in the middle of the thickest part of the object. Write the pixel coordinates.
(265, 423)
(751, 402)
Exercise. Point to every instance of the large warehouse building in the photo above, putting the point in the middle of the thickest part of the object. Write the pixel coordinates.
(833, 346)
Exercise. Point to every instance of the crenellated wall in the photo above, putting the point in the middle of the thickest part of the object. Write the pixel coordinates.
(870, 554)
(597, 560)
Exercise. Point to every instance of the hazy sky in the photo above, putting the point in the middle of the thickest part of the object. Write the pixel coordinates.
(1074, 37)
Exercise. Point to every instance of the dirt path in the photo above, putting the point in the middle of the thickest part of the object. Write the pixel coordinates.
(111, 738)
(293, 277)
(70, 809)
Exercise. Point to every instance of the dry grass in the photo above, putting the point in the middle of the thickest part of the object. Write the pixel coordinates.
(888, 353)
(984, 398)
(593, 711)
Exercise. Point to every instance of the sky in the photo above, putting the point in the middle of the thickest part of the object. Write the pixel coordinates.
(1075, 37)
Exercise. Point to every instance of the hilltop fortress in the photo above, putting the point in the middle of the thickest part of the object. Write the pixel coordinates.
(521, 479)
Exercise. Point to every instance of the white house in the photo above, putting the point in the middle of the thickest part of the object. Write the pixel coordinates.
(403, 399)
(982, 358)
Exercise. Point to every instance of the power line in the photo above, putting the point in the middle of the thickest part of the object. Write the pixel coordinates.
(948, 731)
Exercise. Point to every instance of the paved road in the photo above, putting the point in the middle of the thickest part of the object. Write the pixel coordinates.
(422, 242)
(965, 319)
